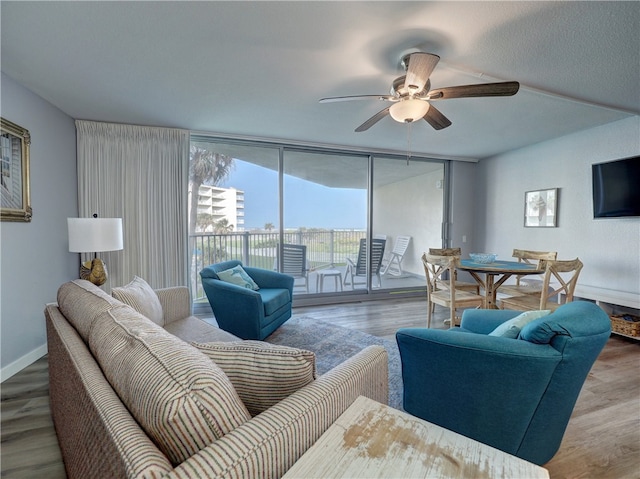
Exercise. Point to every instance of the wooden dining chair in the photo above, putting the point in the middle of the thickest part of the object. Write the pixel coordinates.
(527, 287)
(435, 268)
(559, 277)
(444, 283)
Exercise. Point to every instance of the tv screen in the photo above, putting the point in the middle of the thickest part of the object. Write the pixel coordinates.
(616, 188)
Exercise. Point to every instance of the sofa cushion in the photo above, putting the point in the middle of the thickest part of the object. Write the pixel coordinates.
(238, 276)
(141, 297)
(511, 328)
(195, 329)
(82, 302)
(263, 374)
(274, 299)
(181, 399)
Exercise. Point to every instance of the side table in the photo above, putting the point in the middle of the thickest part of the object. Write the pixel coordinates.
(328, 273)
(373, 440)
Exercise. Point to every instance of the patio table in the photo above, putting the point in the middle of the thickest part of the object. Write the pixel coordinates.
(495, 274)
(328, 273)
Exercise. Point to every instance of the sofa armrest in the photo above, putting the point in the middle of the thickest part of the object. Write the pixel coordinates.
(270, 443)
(176, 303)
(96, 432)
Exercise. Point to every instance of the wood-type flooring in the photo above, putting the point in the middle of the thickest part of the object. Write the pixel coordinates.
(601, 441)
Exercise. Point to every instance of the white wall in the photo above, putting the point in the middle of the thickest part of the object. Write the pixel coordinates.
(34, 257)
(412, 207)
(464, 198)
(609, 248)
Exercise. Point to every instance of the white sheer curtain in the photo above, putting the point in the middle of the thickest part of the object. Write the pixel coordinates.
(139, 174)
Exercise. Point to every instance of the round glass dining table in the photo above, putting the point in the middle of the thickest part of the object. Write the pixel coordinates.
(495, 274)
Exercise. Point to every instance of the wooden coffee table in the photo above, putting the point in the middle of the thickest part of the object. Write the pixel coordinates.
(375, 441)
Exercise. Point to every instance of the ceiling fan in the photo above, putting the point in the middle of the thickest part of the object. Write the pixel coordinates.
(411, 94)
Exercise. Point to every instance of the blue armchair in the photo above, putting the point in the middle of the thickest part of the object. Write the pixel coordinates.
(244, 312)
(516, 395)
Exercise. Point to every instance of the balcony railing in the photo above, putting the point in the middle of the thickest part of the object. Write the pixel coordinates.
(324, 248)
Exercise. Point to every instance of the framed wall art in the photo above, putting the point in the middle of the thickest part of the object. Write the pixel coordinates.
(541, 208)
(15, 187)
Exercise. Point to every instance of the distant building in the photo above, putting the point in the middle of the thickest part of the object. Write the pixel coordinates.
(222, 203)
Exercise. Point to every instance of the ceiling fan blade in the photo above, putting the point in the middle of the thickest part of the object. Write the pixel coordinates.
(507, 88)
(373, 120)
(419, 69)
(436, 119)
(357, 97)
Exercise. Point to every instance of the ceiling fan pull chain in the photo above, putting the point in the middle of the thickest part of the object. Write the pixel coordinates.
(409, 125)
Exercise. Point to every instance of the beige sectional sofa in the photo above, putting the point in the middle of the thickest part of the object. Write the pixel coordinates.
(134, 397)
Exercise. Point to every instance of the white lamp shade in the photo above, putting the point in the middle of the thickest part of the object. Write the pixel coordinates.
(411, 109)
(92, 235)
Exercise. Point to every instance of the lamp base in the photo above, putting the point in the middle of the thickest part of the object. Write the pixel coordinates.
(94, 271)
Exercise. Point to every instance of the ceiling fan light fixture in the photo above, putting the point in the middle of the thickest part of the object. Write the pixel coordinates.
(409, 110)
(411, 94)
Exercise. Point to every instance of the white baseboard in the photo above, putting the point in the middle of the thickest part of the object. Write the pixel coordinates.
(21, 363)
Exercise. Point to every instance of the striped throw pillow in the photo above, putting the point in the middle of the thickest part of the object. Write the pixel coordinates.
(139, 295)
(263, 374)
(182, 400)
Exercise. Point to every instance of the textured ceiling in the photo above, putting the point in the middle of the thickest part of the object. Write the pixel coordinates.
(259, 68)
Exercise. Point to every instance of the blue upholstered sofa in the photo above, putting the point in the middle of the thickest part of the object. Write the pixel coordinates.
(513, 394)
(244, 312)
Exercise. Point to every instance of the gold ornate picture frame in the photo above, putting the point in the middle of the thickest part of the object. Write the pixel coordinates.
(15, 186)
(541, 208)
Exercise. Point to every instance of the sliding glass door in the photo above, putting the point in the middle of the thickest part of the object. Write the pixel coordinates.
(342, 223)
(233, 207)
(408, 208)
(325, 210)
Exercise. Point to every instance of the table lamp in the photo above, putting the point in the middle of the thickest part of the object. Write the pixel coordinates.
(93, 235)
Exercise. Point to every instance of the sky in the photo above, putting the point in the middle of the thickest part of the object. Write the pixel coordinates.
(307, 204)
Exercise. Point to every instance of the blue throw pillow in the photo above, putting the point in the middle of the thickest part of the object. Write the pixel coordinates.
(511, 328)
(238, 276)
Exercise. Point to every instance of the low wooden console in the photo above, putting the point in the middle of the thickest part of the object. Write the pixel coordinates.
(611, 301)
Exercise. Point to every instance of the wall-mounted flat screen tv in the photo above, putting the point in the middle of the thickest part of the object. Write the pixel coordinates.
(616, 188)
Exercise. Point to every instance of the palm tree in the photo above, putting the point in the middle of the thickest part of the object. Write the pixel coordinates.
(268, 226)
(222, 226)
(203, 221)
(205, 167)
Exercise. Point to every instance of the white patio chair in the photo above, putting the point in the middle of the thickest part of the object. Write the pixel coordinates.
(394, 264)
